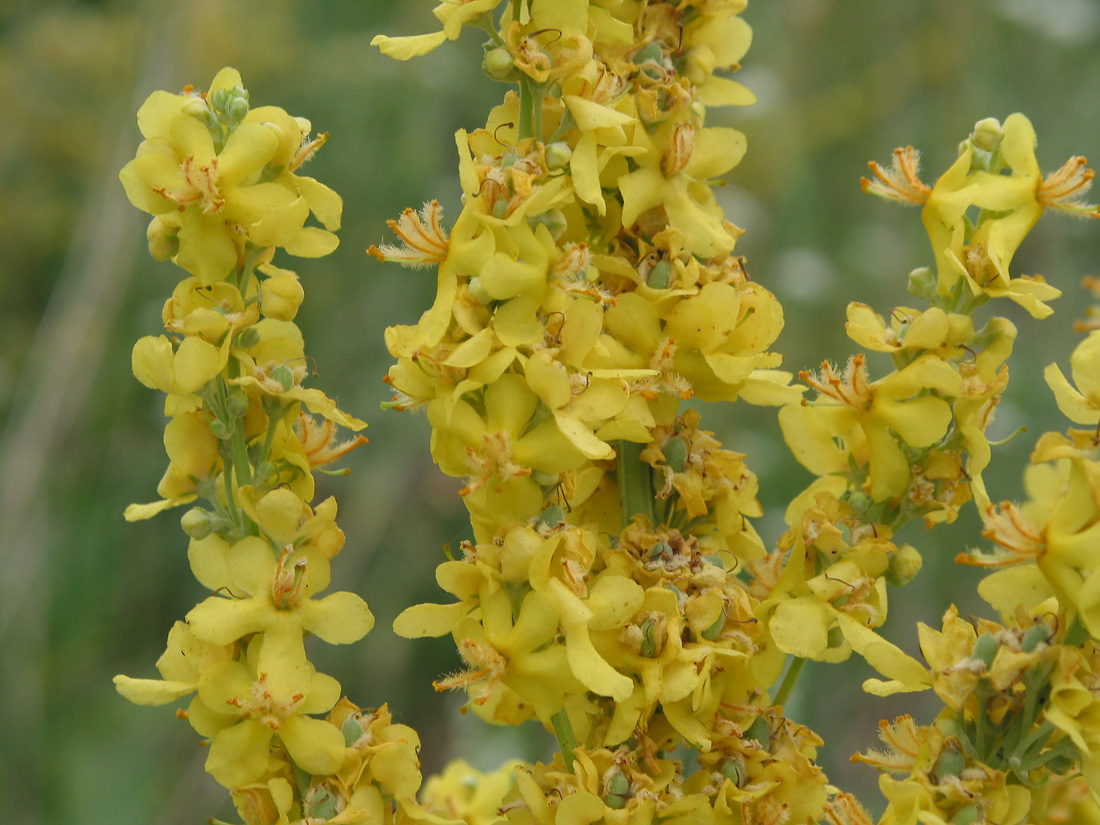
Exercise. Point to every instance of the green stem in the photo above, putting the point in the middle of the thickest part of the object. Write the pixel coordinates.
(635, 482)
(526, 127)
(567, 740)
(789, 680)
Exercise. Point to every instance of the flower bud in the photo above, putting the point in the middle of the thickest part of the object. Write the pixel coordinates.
(197, 523)
(987, 134)
(554, 220)
(478, 293)
(281, 295)
(698, 64)
(237, 404)
(220, 430)
(163, 239)
(558, 155)
(265, 473)
(498, 64)
(904, 565)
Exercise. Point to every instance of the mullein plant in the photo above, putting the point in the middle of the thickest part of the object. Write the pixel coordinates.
(614, 589)
(244, 439)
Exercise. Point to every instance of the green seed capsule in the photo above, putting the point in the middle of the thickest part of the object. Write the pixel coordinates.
(618, 792)
(551, 517)
(1036, 635)
(498, 64)
(649, 639)
(660, 276)
(985, 649)
(676, 453)
(248, 337)
(967, 815)
(734, 771)
(712, 632)
(284, 376)
(950, 763)
(352, 730)
(760, 731)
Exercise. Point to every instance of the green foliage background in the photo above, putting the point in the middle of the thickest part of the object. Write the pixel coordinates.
(83, 595)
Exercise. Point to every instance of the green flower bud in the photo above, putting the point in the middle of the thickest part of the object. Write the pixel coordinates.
(904, 565)
(198, 523)
(544, 479)
(498, 64)
(284, 376)
(237, 404)
(163, 239)
(558, 155)
(835, 637)
(265, 472)
(922, 283)
(221, 430)
(248, 337)
(987, 134)
(554, 220)
(478, 293)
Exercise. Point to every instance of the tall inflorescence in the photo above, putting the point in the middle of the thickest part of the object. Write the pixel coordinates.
(244, 437)
(615, 589)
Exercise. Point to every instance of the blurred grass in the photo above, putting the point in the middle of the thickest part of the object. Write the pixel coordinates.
(83, 595)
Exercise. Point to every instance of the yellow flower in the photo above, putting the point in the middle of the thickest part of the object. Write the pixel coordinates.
(892, 405)
(200, 170)
(272, 590)
(1082, 405)
(270, 703)
(674, 178)
(453, 16)
(194, 460)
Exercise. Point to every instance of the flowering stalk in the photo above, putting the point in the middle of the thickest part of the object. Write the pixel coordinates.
(587, 286)
(245, 437)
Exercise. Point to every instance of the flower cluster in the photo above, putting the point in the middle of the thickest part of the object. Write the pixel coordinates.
(245, 437)
(614, 588)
